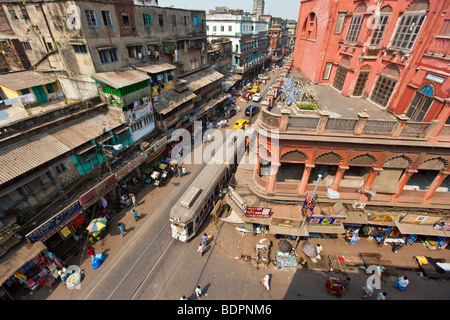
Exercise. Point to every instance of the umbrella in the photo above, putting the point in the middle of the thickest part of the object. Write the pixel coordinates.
(284, 246)
(309, 249)
(96, 225)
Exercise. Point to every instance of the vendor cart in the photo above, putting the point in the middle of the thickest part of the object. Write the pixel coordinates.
(156, 176)
(164, 168)
(335, 287)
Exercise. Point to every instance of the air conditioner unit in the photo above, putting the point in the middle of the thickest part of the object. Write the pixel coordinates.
(358, 205)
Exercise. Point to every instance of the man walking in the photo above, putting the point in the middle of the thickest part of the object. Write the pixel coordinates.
(135, 215)
(122, 228)
(201, 249)
(198, 292)
(204, 238)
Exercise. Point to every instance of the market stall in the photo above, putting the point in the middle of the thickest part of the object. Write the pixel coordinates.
(28, 266)
(286, 259)
(97, 229)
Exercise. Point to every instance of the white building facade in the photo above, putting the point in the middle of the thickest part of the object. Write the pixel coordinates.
(248, 36)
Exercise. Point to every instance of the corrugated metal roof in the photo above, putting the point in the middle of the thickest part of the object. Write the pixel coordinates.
(156, 68)
(23, 156)
(202, 78)
(25, 79)
(170, 99)
(120, 79)
(77, 132)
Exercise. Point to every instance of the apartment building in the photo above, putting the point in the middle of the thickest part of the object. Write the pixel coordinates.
(392, 53)
(248, 35)
(74, 39)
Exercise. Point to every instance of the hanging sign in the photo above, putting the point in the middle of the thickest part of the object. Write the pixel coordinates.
(237, 199)
(308, 206)
(326, 220)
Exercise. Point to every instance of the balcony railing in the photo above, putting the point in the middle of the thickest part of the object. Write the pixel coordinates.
(320, 122)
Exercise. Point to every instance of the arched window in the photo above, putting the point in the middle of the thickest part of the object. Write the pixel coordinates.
(355, 23)
(420, 104)
(382, 22)
(309, 29)
(409, 25)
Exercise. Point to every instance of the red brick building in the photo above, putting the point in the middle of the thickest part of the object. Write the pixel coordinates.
(393, 53)
(382, 58)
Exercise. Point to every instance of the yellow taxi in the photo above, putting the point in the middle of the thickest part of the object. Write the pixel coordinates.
(255, 89)
(240, 124)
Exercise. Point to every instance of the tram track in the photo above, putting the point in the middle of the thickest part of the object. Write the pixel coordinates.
(148, 270)
(153, 246)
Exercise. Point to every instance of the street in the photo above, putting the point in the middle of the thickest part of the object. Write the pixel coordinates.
(147, 264)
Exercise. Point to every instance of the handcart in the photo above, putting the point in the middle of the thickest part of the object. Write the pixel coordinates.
(334, 286)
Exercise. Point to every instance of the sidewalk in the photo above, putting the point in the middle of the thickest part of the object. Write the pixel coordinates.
(241, 244)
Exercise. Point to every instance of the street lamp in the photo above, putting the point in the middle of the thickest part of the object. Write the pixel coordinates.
(108, 153)
(332, 194)
(116, 147)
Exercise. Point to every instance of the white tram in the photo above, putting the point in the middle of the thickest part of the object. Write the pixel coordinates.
(189, 213)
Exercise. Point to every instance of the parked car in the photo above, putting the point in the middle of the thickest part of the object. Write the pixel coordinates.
(263, 77)
(230, 113)
(255, 89)
(257, 97)
(240, 124)
(251, 110)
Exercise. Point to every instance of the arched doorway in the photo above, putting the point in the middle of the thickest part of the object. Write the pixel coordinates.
(420, 104)
(362, 80)
(341, 73)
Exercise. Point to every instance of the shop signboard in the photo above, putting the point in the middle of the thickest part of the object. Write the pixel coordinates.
(308, 206)
(237, 199)
(156, 149)
(285, 222)
(326, 220)
(420, 219)
(54, 224)
(78, 221)
(98, 191)
(258, 212)
(383, 217)
(130, 166)
(442, 225)
(65, 231)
